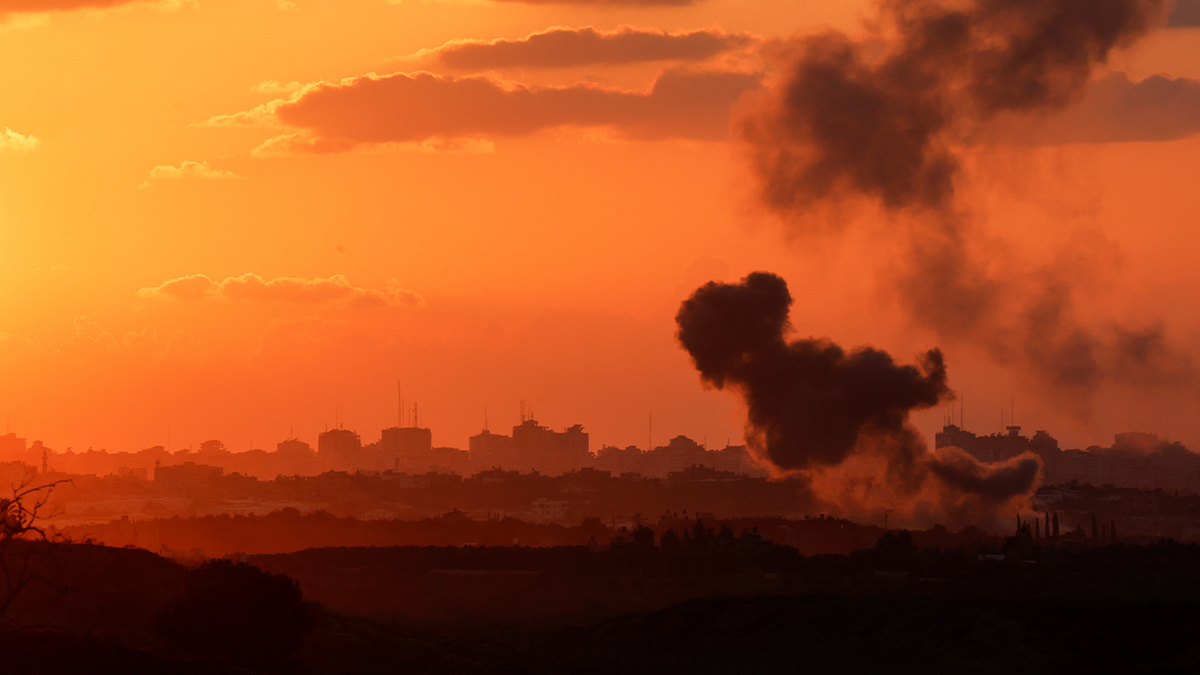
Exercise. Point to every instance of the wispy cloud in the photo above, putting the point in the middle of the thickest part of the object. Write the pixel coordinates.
(188, 169)
(251, 287)
(9, 8)
(11, 140)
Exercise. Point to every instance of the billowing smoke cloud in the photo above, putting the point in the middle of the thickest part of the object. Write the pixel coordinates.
(813, 406)
(848, 122)
(884, 120)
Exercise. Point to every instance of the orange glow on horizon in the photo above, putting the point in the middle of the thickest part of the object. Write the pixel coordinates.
(215, 220)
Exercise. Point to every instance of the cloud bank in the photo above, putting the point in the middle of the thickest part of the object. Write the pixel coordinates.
(416, 107)
(568, 47)
(1118, 110)
(1185, 15)
(251, 287)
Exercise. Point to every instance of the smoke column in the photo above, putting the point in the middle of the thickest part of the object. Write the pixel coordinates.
(884, 120)
(813, 406)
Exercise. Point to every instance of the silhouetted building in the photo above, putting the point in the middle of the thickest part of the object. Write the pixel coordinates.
(490, 450)
(187, 475)
(340, 449)
(12, 448)
(533, 446)
(406, 449)
(1136, 459)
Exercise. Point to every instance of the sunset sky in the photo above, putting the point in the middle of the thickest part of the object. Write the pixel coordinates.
(244, 219)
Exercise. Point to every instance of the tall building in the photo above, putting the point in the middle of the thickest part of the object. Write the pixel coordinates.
(408, 449)
(340, 449)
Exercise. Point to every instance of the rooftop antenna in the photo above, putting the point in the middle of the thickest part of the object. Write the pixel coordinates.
(522, 412)
(337, 417)
(485, 419)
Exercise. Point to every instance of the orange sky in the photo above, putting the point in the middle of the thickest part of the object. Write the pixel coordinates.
(520, 226)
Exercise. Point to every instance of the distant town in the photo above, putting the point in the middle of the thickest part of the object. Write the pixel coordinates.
(531, 447)
(1135, 459)
(1142, 484)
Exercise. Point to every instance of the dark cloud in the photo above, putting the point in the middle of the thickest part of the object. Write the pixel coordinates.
(567, 47)
(884, 120)
(812, 405)
(413, 107)
(1117, 110)
(1185, 15)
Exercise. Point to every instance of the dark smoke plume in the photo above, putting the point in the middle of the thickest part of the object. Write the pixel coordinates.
(886, 119)
(882, 126)
(812, 404)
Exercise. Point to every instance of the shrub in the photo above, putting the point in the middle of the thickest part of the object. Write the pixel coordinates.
(238, 613)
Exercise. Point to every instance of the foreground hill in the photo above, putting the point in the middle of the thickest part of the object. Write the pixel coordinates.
(630, 609)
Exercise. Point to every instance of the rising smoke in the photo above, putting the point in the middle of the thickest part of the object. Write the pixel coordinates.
(813, 406)
(886, 118)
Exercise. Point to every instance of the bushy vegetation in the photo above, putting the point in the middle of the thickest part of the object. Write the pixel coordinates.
(239, 614)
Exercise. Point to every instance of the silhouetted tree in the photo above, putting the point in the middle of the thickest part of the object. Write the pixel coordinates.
(1056, 523)
(896, 542)
(725, 536)
(643, 536)
(238, 613)
(19, 532)
(669, 541)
